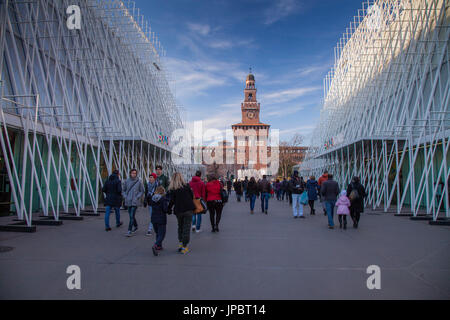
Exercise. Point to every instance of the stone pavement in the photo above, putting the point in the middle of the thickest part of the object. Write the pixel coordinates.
(252, 257)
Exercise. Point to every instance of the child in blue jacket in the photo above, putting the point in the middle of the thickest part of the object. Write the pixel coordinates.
(160, 207)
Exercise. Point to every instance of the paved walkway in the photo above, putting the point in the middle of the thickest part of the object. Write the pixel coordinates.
(253, 257)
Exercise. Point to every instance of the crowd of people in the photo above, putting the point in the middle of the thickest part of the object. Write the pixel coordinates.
(189, 201)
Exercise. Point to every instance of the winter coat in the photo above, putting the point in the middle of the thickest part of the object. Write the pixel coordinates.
(213, 190)
(198, 187)
(313, 188)
(132, 191)
(229, 184)
(277, 186)
(296, 185)
(150, 190)
(284, 185)
(329, 190)
(163, 181)
(113, 190)
(264, 186)
(245, 184)
(322, 179)
(160, 208)
(238, 188)
(252, 189)
(358, 204)
(181, 200)
(343, 205)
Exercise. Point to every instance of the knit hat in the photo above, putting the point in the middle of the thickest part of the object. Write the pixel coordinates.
(343, 193)
(154, 175)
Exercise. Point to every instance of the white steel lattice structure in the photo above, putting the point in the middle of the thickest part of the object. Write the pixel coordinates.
(77, 104)
(385, 115)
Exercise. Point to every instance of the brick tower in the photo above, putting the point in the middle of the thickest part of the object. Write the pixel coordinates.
(250, 135)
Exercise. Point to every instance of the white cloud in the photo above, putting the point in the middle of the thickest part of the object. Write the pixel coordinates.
(288, 94)
(282, 111)
(202, 29)
(281, 9)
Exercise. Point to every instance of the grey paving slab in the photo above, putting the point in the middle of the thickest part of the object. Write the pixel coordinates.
(252, 257)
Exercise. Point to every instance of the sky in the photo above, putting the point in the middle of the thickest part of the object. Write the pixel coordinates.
(289, 44)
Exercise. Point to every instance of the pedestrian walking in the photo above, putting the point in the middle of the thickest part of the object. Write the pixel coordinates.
(277, 187)
(113, 200)
(322, 179)
(229, 185)
(252, 190)
(265, 189)
(181, 200)
(160, 207)
(199, 190)
(132, 193)
(238, 186)
(150, 189)
(214, 201)
(329, 192)
(356, 193)
(343, 209)
(296, 188)
(163, 181)
(244, 188)
(284, 187)
(313, 189)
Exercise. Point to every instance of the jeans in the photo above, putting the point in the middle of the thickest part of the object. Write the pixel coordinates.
(132, 214)
(150, 224)
(184, 227)
(330, 211)
(278, 194)
(108, 212)
(252, 201)
(265, 201)
(297, 207)
(197, 220)
(246, 195)
(160, 230)
(238, 197)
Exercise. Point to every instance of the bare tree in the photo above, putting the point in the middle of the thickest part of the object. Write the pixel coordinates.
(286, 161)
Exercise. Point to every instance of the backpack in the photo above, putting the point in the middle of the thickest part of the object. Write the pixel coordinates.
(354, 195)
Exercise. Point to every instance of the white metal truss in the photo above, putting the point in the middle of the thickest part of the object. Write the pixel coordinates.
(385, 116)
(86, 101)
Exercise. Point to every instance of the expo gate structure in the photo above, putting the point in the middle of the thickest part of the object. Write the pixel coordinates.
(386, 116)
(78, 103)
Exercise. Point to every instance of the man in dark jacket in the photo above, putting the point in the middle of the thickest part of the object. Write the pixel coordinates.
(229, 185)
(284, 186)
(162, 179)
(264, 188)
(238, 189)
(113, 190)
(244, 187)
(329, 191)
(356, 200)
(296, 187)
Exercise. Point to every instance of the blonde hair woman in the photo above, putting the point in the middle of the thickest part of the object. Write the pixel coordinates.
(181, 199)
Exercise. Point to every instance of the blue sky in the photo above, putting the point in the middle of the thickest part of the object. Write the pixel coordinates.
(289, 44)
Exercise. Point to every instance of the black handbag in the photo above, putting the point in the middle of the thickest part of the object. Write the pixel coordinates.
(224, 195)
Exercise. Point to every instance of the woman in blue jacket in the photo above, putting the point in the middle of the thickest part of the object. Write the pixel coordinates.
(312, 187)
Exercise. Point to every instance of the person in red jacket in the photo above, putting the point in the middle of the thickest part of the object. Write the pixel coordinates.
(214, 201)
(199, 189)
(321, 180)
